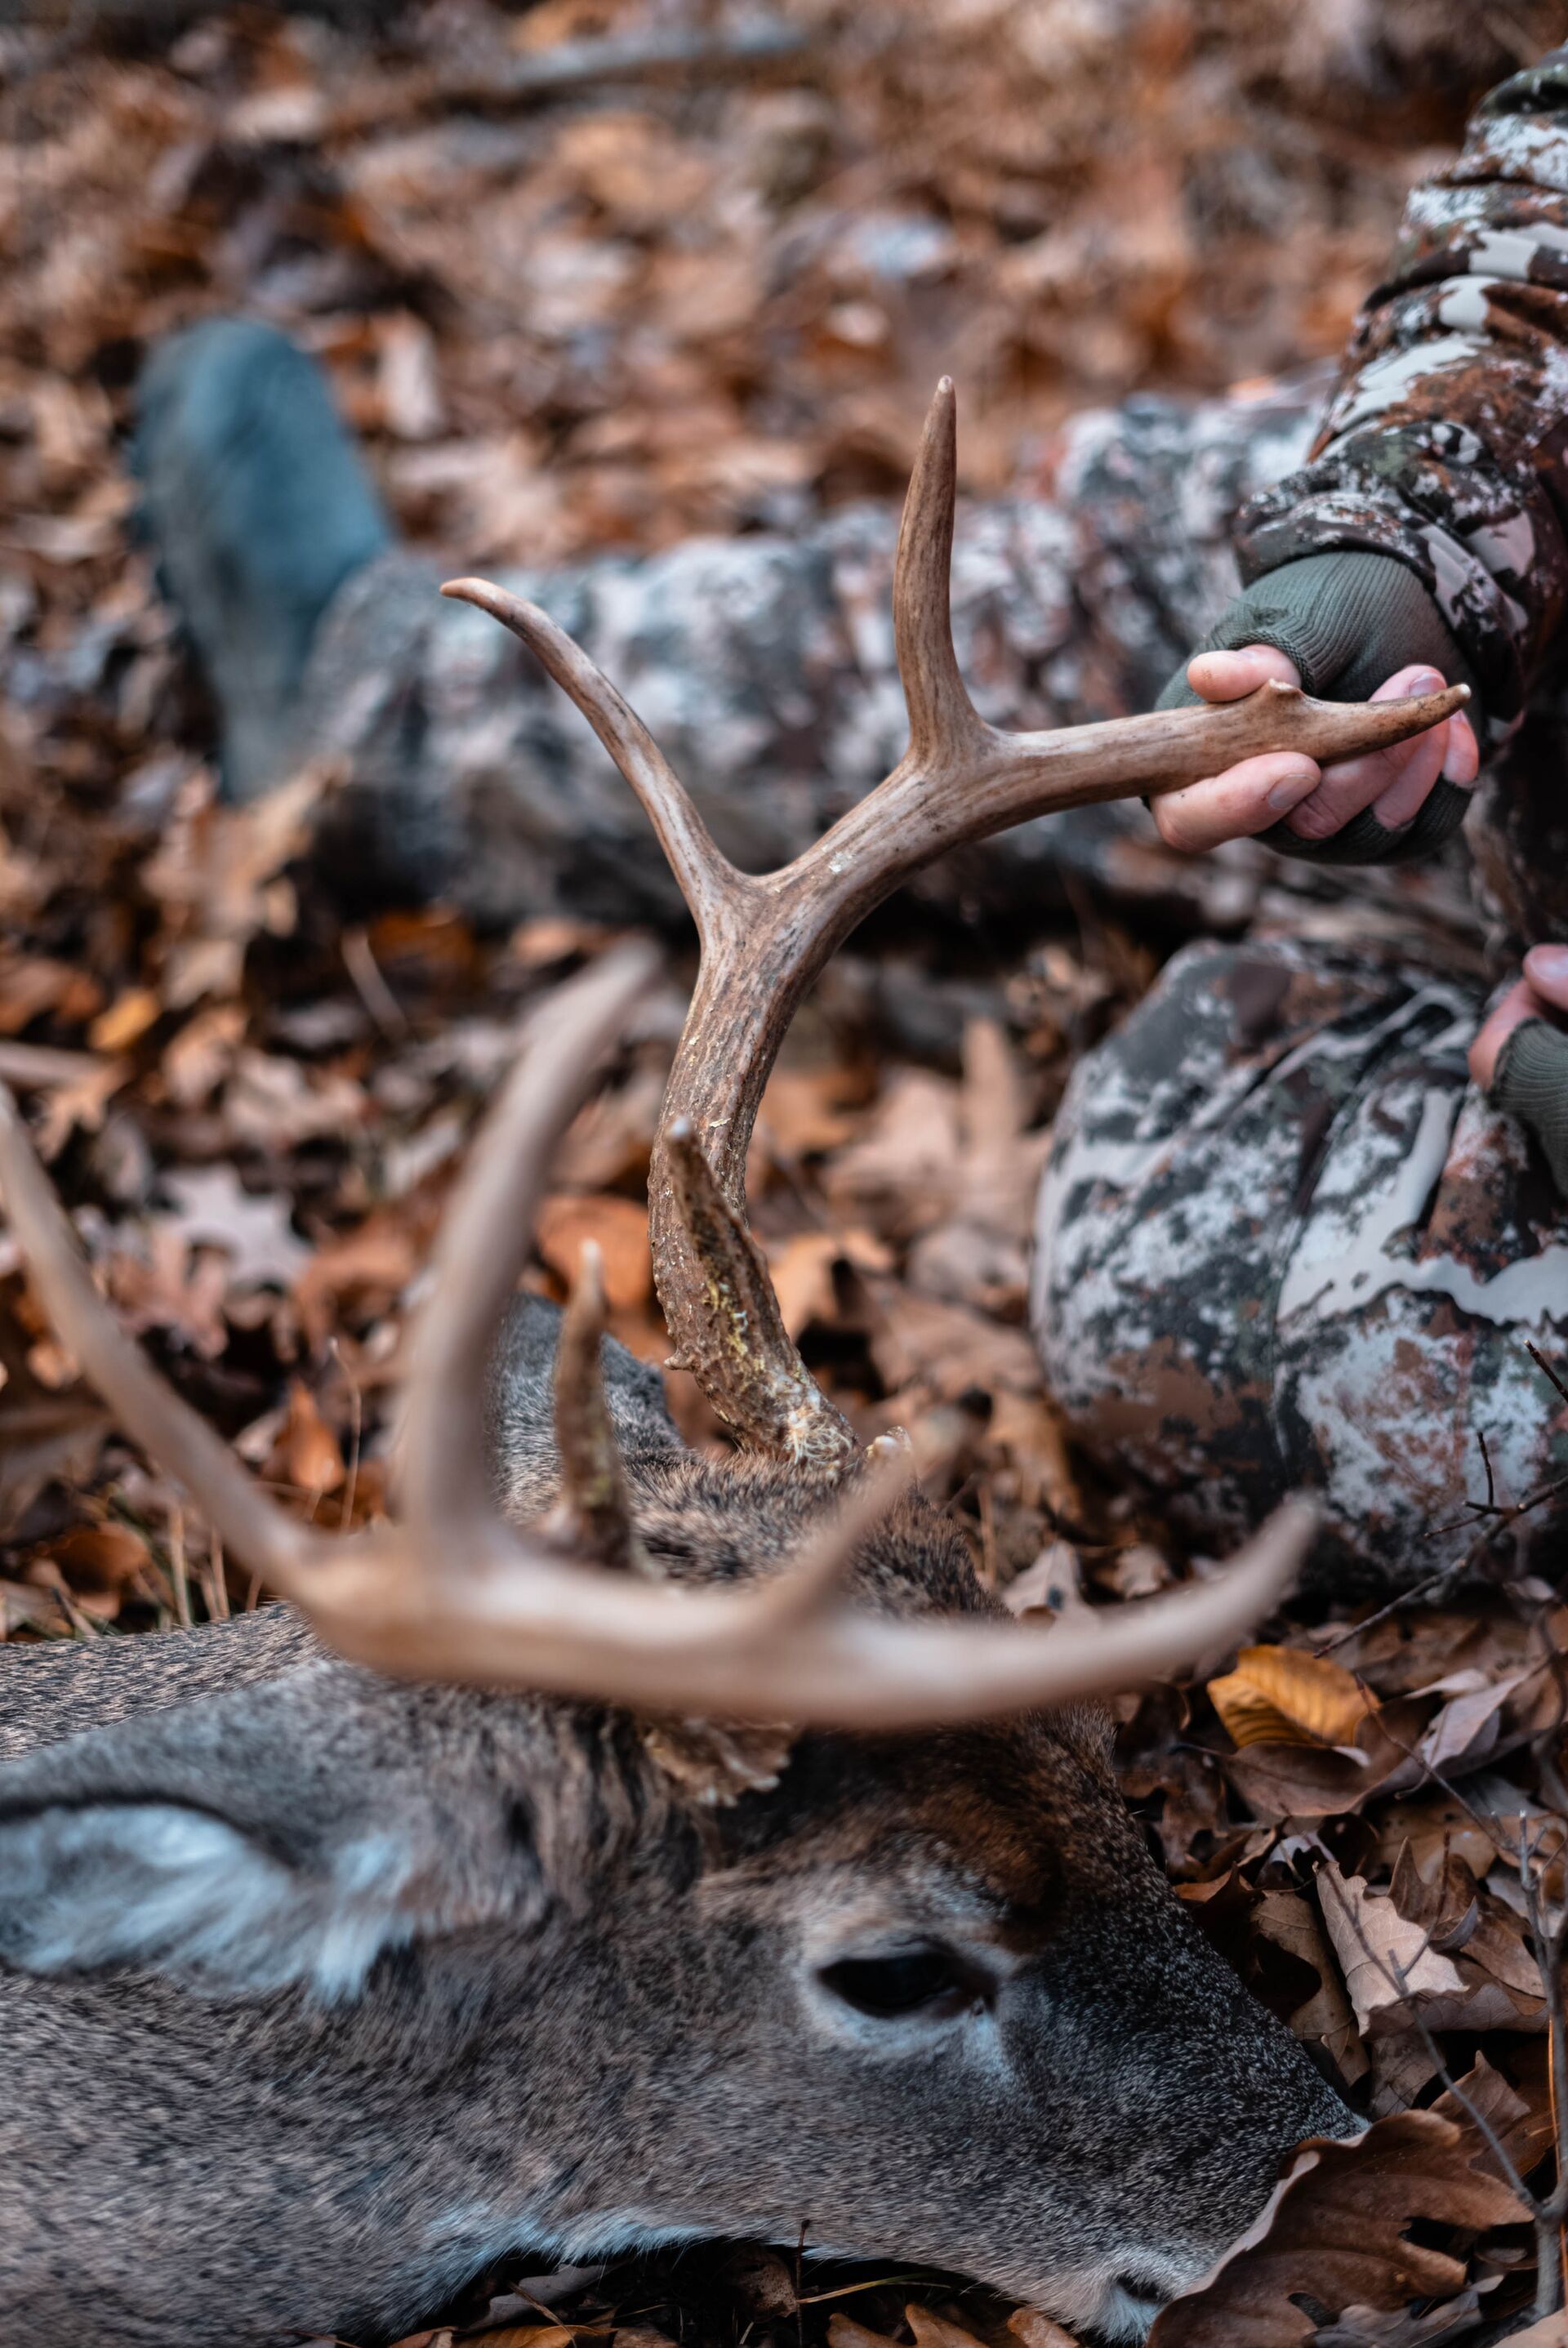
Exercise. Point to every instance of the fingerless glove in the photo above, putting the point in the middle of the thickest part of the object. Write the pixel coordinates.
(1530, 1083)
(1348, 620)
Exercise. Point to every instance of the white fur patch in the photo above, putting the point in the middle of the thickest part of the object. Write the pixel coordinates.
(154, 1884)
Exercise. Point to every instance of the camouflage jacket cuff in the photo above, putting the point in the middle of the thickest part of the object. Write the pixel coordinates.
(1325, 510)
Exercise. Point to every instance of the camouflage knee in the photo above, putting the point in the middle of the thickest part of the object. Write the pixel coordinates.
(1283, 1244)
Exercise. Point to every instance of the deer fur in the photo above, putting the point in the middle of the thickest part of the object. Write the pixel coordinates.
(322, 1993)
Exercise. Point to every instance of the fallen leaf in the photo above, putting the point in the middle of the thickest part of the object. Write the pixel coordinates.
(802, 1111)
(1037, 2330)
(100, 1558)
(374, 1263)
(1335, 2231)
(802, 1271)
(213, 1209)
(43, 1442)
(620, 1228)
(1281, 1696)
(1324, 2019)
(1392, 1970)
(130, 1015)
(311, 1457)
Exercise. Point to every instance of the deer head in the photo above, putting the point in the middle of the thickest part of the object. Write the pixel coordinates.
(697, 1935)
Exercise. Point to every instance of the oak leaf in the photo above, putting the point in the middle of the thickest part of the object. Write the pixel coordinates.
(1333, 2230)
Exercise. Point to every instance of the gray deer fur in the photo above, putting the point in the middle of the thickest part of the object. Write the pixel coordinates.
(319, 1993)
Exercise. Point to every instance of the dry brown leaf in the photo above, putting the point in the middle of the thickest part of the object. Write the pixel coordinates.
(1388, 1962)
(528, 2335)
(99, 1557)
(1281, 1696)
(620, 1228)
(802, 1271)
(42, 1442)
(1324, 2019)
(1392, 1970)
(312, 1458)
(802, 1111)
(1317, 1781)
(1431, 1823)
(170, 1286)
(1333, 2231)
(130, 1015)
(374, 1265)
(946, 1350)
(199, 1057)
(1037, 2330)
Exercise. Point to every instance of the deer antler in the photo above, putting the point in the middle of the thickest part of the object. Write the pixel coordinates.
(765, 937)
(455, 1592)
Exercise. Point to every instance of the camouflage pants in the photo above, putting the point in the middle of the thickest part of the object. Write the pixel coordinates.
(1281, 1242)
(1285, 1244)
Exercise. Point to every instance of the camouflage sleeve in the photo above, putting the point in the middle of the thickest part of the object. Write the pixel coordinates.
(1443, 443)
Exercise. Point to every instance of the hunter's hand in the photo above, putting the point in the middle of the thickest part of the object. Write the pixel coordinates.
(1520, 1059)
(1348, 626)
(1314, 803)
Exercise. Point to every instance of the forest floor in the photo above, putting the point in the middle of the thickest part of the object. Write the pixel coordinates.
(589, 274)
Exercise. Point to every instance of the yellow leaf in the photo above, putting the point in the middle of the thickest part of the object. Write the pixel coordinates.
(1278, 1696)
(313, 1460)
(131, 1015)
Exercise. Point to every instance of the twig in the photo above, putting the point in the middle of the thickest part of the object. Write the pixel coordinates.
(179, 1566)
(356, 1406)
(1552, 2253)
(371, 987)
(679, 57)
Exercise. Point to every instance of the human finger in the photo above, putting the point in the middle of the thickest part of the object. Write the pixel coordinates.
(1245, 800)
(1546, 968)
(1520, 1003)
(1402, 775)
(1226, 676)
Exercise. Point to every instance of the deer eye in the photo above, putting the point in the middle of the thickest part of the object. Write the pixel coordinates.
(914, 1980)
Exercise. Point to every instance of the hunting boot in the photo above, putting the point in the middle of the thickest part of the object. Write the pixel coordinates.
(258, 508)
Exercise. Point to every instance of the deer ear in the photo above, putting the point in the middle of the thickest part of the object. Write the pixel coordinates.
(288, 1834)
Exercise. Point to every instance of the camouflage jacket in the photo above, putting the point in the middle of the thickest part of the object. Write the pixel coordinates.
(1443, 445)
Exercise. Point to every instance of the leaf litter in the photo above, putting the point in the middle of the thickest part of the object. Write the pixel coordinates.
(714, 299)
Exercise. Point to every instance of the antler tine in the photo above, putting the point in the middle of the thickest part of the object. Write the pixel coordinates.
(748, 1654)
(737, 1347)
(482, 1247)
(942, 717)
(253, 1526)
(594, 1516)
(706, 879)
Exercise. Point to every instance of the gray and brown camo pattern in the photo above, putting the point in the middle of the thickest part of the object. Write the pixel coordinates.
(1282, 1241)
(1283, 1244)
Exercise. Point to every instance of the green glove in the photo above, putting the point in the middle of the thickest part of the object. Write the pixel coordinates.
(1348, 620)
(1530, 1081)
